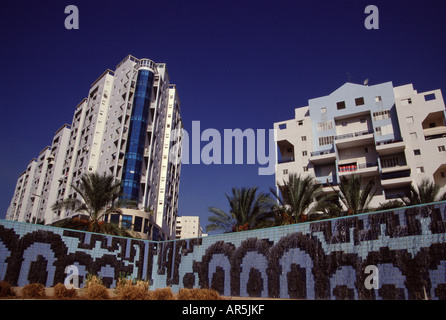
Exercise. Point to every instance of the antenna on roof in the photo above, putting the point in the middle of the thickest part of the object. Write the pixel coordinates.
(349, 76)
(366, 82)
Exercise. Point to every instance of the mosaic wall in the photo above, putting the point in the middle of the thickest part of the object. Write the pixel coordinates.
(319, 260)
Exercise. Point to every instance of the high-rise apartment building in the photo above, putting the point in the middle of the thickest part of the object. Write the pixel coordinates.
(129, 126)
(393, 135)
(188, 227)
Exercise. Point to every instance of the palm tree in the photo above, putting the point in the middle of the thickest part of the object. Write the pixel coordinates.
(327, 207)
(352, 197)
(425, 192)
(248, 210)
(99, 194)
(295, 199)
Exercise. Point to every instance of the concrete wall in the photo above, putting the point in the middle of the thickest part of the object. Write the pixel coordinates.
(318, 260)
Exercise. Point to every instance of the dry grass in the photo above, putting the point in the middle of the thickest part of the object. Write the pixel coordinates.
(161, 294)
(126, 290)
(5, 289)
(61, 292)
(34, 291)
(133, 293)
(94, 289)
(198, 294)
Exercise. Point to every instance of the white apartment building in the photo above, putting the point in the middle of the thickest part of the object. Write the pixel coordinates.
(129, 126)
(188, 227)
(393, 135)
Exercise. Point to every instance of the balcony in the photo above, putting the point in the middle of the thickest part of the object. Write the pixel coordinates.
(322, 157)
(286, 160)
(354, 139)
(396, 179)
(325, 180)
(434, 133)
(434, 125)
(328, 183)
(364, 169)
(395, 169)
(390, 146)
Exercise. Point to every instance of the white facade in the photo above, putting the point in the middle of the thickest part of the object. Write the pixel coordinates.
(188, 227)
(37, 186)
(98, 141)
(393, 135)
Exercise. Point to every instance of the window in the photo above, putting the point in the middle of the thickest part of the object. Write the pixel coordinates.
(359, 101)
(406, 101)
(340, 105)
(409, 119)
(305, 169)
(390, 162)
(126, 221)
(138, 224)
(323, 110)
(381, 115)
(413, 135)
(304, 153)
(324, 126)
(300, 123)
(381, 131)
(441, 148)
(378, 99)
(420, 169)
(378, 131)
(417, 152)
(282, 126)
(114, 218)
(326, 140)
(304, 138)
(429, 97)
(285, 171)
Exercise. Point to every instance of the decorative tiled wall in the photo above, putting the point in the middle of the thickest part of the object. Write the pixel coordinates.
(318, 260)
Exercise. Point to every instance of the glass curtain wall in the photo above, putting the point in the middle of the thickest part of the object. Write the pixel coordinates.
(136, 139)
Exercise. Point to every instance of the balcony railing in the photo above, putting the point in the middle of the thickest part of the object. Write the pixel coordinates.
(354, 167)
(382, 143)
(321, 153)
(353, 134)
(326, 180)
(285, 160)
(396, 175)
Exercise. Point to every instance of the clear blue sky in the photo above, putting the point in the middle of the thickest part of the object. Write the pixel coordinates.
(237, 64)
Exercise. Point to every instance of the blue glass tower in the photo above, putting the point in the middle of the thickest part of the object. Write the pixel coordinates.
(136, 138)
